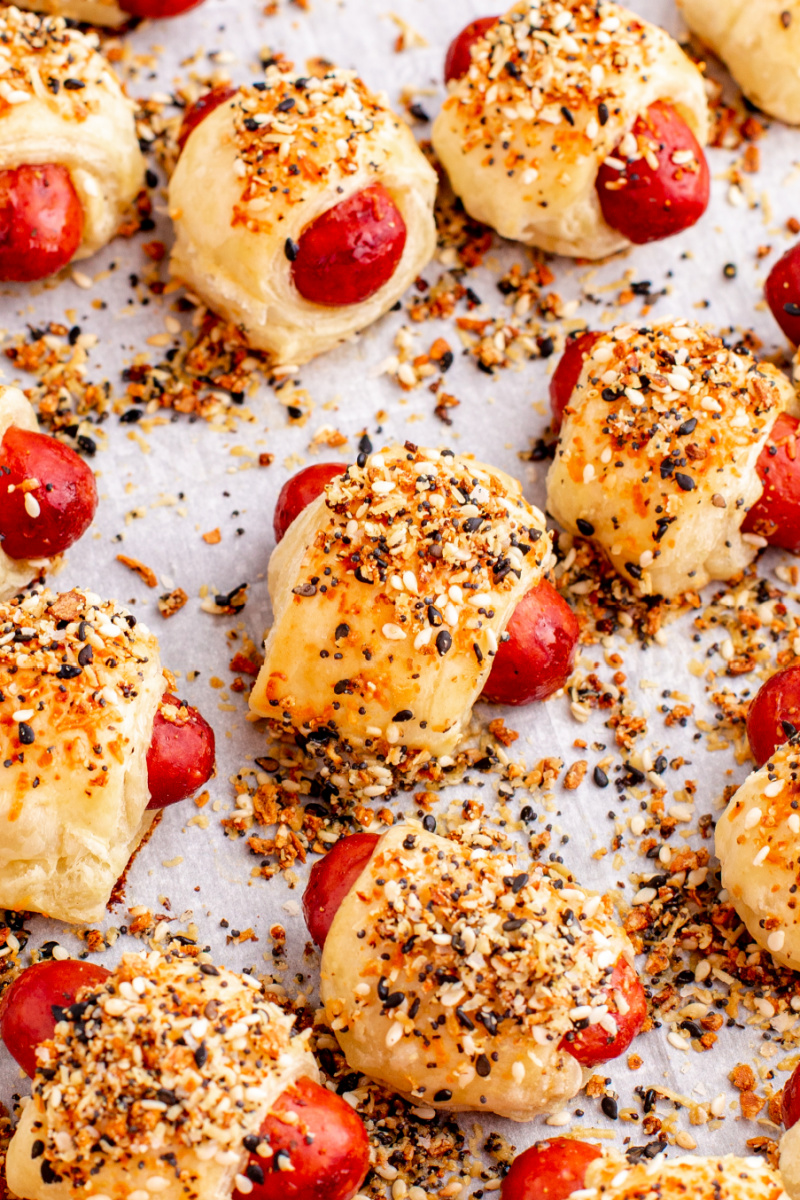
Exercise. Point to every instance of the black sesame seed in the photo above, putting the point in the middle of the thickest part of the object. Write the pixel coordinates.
(429, 823)
(201, 1055)
(600, 777)
(685, 482)
(208, 969)
(610, 1107)
(442, 1096)
(405, 714)
(443, 642)
(291, 249)
(254, 1173)
(585, 527)
(37, 1149)
(26, 734)
(483, 1066)
(602, 113)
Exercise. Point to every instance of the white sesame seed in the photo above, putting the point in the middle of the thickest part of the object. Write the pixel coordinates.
(761, 856)
(383, 486)
(560, 1118)
(774, 788)
(675, 1039)
(410, 582)
(32, 507)
(23, 714)
(775, 941)
(753, 818)
(588, 473)
(392, 632)
(394, 1034)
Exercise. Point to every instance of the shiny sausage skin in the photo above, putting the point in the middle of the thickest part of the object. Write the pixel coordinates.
(594, 1044)
(48, 495)
(774, 713)
(350, 251)
(181, 755)
(776, 514)
(550, 1170)
(324, 1156)
(41, 222)
(647, 202)
(299, 491)
(539, 655)
(26, 1008)
(331, 879)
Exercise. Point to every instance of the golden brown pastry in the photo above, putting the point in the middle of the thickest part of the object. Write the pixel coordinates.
(80, 684)
(181, 1064)
(724, 1177)
(390, 593)
(552, 90)
(256, 175)
(63, 104)
(656, 458)
(93, 12)
(758, 846)
(458, 979)
(759, 44)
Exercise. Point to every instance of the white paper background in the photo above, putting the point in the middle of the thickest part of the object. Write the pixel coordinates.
(497, 419)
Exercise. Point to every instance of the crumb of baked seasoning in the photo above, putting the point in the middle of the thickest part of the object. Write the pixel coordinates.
(171, 602)
(194, 1027)
(145, 573)
(58, 358)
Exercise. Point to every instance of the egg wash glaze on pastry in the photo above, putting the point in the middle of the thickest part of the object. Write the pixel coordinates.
(60, 102)
(758, 845)
(80, 683)
(390, 593)
(152, 1085)
(551, 90)
(259, 170)
(93, 12)
(656, 458)
(453, 976)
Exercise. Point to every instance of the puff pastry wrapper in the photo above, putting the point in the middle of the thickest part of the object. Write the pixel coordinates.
(760, 48)
(789, 1161)
(516, 159)
(106, 1086)
(93, 12)
(16, 572)
(252, 178)
(73, 801)
(657, 454)
(360, 652)
(758, 845)
(413, 917)
(724, 1177)
(89, 129)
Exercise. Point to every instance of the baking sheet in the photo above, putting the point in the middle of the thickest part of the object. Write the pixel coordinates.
(163, 485)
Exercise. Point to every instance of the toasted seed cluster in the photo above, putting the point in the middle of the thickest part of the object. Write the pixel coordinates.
(295, 134)
(438, 533)
(461, 930)
(42, 57)
(547, 64)
(169, 1051)
(67, 663)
